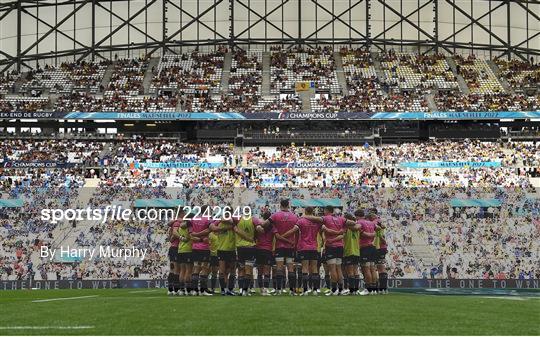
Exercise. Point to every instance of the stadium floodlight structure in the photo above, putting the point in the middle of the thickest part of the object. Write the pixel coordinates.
(51, 31)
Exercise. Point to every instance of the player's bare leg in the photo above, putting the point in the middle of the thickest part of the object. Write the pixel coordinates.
(334, 276)
(215, 276)
(366, 272)
(223, 275)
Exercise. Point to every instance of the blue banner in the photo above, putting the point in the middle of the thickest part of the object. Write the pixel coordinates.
(11, 203)
(456, 115)
(475, 202)
(449, 164)
(35, 164)
(308, 165)
(176, 165)
(339, 115)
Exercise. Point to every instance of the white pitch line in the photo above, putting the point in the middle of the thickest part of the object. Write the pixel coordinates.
(506, 298)
(46, 327)
(143, 291)
(64, 298)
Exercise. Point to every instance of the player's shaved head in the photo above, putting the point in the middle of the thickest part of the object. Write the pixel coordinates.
(359, 213)
(284, 203)
(309, 210)
(329, 210)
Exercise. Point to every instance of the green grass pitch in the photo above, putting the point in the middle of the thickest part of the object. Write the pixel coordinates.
(151, 312)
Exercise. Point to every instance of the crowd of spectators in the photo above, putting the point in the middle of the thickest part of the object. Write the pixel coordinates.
(384, 81)
(23, 104)
(83, 102)
(466, 242)
(399, 91)
(455, 101)
(81, 75)
(65, 151)
(127, 77)
(300, 64)
(142, 150)
(478, 75)
(7, 82)
(513, 154)
(417, 71)
(520, 74)
(190, 72)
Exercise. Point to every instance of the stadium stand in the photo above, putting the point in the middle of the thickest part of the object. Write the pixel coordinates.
(506, 252)
(191, 82)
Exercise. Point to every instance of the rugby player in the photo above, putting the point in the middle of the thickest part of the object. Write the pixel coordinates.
(367, 251)
(245, 249)
(185, 258)
(307, 252)
(351, 257)
(283, 223)
(265, 257)
(226, 253)
(200, 228)
(333, 227)
(214, 263)
(173, 279)
(380, 257)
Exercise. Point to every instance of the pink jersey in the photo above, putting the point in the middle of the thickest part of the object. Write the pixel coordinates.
(199, 225)
(175, 225)
(265, 240)
(336, 223)
(307, 239)
(366, 226)
(283, 221)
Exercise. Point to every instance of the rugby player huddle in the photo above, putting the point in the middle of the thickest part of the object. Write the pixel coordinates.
(282, 247)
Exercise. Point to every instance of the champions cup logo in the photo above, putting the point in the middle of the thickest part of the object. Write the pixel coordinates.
(311, 165)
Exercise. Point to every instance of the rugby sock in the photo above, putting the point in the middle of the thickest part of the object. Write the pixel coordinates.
(170, 282)
(315, 281)
(292, 281)
(188, 285)
(305, 281)
(341, 285)
(279, 281)
(222, 283)
(260, 280)
(357, 282)
(327, 281)
(176, 282)
(251, 282)
(372, 287)
(203, 279)
(195, 281)
(351, 283)
(383, 281)
(334, 286)
(213, 279)
(231, 282)
(265, 282)
(181, 285)
(242, 283)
